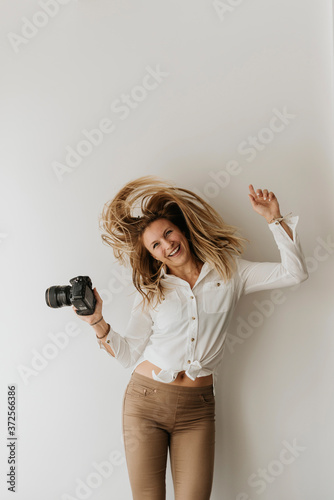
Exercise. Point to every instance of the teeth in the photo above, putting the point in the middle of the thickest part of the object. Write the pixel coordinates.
(176, 250)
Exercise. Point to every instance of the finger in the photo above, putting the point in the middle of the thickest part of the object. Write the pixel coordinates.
(259, 192)
(252, 199)
(265, 194)
(271, 196)
(252, 190)
(97, 295)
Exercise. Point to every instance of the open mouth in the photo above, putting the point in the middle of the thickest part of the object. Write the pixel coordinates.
(175, 252)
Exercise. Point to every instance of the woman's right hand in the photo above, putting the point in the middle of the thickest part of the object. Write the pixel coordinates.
(92, 318)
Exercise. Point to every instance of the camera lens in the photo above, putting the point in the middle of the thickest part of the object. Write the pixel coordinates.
(58, 296)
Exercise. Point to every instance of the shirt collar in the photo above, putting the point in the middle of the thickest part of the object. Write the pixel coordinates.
(204, 271)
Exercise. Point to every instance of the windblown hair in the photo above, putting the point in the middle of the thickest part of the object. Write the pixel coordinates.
(210, 238)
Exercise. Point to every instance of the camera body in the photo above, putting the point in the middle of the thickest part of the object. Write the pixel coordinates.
(80, 294)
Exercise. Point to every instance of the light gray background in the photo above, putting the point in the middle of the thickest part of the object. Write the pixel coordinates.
(230, 66)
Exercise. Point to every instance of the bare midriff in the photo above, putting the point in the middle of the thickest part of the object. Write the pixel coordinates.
(145, 368)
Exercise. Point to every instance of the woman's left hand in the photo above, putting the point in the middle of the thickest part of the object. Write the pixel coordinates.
(264, 203)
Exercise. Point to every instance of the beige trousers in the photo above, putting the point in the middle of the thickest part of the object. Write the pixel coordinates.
(158, 417)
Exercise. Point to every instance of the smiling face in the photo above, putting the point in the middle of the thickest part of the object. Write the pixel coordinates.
(162, 238)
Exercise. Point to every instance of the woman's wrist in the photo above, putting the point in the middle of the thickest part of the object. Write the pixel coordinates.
(95, 322)
(272, 217)
(101, 328)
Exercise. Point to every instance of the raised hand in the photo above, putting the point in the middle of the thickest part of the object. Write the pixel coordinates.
(264, 203)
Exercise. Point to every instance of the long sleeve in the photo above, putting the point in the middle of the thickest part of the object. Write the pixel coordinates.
(292, 269)
(128, 348)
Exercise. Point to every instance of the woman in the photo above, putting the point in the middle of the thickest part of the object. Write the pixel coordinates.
(189, 276)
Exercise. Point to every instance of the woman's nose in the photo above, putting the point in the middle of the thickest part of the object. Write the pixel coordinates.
(167, 245)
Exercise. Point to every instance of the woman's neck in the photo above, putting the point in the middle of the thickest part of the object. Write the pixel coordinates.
(189, 272)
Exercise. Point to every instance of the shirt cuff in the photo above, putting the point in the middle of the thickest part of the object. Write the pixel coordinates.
(279, 219)
(109, 339)
(278, 230)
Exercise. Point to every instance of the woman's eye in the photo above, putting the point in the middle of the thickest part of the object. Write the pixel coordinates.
(169, 231)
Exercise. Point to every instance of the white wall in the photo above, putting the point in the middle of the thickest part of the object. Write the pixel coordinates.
(226, 76)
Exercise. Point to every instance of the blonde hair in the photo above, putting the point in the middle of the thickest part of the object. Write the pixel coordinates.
(205, 230)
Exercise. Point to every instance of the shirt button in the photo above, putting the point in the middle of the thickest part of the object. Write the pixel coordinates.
(192, 297)
(192, 339)
(189, 361)
(193, 317)
(108, 341)
(218, 284)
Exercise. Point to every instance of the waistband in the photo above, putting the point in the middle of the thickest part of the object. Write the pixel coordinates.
(162, 386)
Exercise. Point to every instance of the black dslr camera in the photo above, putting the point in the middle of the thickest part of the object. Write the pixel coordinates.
(80, 295)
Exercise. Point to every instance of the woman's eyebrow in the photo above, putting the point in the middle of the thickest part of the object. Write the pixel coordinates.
(155, 241)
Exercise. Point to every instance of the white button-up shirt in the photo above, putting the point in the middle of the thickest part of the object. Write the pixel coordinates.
(187, 331)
